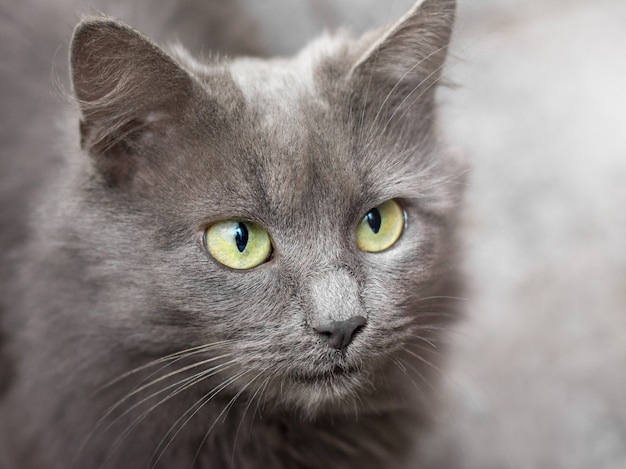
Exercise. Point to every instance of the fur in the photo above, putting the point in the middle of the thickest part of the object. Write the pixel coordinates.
(143, 351)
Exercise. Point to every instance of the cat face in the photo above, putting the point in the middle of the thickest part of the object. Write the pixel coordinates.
(300, 150)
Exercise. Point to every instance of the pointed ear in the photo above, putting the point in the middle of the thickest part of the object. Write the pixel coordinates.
(128, 89)
(404, 63)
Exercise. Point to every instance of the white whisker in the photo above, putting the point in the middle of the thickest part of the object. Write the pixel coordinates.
(173, 356)
(420, 391)
(423, 360)
(420, 376)
(181, 385)
(224, 413)
(136, 391)
(198, 405)
(243, 416)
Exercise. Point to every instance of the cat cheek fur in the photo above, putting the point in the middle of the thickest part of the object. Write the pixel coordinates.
(302, 146)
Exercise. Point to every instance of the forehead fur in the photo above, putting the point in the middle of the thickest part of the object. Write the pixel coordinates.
(286, 147)
(300, 138)
(280, 84)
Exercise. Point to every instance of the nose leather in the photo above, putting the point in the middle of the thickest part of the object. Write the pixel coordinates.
(339, 334)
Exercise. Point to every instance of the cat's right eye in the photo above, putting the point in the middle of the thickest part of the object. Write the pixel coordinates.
(238, 244)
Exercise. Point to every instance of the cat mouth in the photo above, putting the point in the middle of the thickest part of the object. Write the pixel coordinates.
(328, 376)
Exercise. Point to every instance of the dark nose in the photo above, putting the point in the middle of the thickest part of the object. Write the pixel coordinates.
(339, 334)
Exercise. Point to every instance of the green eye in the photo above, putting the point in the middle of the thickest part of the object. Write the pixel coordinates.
(381, 227)
(238, 244)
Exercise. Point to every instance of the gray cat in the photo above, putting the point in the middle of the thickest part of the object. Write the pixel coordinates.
(242, 263)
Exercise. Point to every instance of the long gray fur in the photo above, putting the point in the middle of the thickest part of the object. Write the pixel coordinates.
(111, 273)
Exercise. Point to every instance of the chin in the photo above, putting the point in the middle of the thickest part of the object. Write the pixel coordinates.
(338, 392)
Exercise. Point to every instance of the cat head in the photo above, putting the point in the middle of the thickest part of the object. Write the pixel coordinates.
(239, 204)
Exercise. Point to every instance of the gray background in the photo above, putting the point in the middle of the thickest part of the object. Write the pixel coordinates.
(540, 367)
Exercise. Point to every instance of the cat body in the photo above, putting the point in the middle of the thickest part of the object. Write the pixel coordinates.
(127, 344)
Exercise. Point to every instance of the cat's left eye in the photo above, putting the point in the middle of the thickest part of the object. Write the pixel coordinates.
(381, 227)
(238, 244)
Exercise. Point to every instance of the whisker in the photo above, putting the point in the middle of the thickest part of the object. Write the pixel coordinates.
(420, 391)
(182, 386)
(442, 297)
(243, 416)
(162, 378)
(443, 317)
(424, 339)
(400, 365)
(423, 360)
(439, 332)
(194, 409)
(175, 355)
(167, 365)
(261, 397)
(421, 376)
(135, 391)
(224, 412)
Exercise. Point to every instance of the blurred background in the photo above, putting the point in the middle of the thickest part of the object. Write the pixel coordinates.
(540, 365)
(537, 374)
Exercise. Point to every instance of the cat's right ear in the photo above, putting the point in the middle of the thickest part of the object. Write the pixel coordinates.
(129, 92)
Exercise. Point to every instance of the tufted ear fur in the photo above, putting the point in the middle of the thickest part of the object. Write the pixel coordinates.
(403, 64)
(129, 91)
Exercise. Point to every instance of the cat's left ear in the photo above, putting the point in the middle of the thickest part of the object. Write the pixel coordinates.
(129, 92)
(402, 64)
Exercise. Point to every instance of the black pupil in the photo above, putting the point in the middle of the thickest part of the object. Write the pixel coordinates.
(241, 236)
(373, 220)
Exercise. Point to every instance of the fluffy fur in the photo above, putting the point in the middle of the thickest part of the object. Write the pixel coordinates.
(143, 351)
